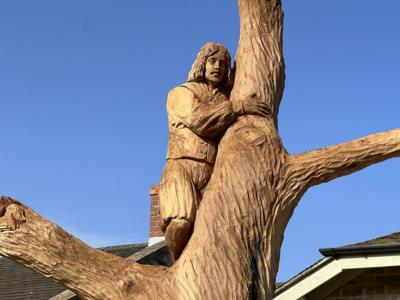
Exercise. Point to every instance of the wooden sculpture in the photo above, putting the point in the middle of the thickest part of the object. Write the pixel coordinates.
(199, 112)
(255, 185)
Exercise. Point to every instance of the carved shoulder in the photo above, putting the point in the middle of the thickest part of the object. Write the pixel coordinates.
(180, 101)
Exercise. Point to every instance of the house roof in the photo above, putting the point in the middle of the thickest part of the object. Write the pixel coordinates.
(379, 252)
(125, 250)
(20, 282)
(384, 244)
(393, 238)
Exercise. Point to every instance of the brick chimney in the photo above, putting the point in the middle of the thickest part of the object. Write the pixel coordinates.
(156, 235)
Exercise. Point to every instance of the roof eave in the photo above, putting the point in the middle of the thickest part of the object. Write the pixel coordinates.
(360, 250)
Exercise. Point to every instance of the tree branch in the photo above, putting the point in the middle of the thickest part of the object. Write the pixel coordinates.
(322, 165)
(35, 242)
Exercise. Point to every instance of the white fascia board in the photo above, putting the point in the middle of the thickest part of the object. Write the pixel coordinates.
(155, 240)
(335, 267)
(311, 282)
(370, 261)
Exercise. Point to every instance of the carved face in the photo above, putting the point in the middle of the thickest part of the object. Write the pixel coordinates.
(215, 68)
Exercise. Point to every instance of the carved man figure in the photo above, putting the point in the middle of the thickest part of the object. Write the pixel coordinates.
(199, 112)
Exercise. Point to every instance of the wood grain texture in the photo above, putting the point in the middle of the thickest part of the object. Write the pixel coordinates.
(41, 245)
(239, 228)
(259, 58)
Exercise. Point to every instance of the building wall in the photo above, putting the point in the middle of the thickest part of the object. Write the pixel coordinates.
(374, 284)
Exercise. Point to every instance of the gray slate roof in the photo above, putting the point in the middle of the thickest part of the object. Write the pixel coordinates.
(384, 244)
(389, 239)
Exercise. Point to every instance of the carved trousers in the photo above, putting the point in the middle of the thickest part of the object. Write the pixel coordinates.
(181, 189)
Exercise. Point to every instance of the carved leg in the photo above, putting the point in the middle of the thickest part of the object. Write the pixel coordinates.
(177, 236)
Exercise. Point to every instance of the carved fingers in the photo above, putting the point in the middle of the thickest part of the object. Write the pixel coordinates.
(252, 105)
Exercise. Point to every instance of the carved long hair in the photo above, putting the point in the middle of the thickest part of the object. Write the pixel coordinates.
(197, 73)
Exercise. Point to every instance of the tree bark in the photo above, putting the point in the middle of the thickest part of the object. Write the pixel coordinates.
(322, 165)
(254, 189)
(35, 242)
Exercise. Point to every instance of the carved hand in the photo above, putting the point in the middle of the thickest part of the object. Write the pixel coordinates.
(251, 106)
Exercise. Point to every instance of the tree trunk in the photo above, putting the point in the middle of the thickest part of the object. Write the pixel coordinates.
(234, 250)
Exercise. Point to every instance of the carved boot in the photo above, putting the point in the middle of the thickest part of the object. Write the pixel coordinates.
(176, 237)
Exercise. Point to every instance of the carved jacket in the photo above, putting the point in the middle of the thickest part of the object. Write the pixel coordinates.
(197, 116)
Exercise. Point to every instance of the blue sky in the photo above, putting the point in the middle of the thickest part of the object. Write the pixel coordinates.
(84, 129)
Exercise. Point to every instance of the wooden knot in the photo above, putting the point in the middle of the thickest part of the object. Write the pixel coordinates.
(251, 135)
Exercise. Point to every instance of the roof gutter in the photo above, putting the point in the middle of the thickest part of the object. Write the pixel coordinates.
(360, 250)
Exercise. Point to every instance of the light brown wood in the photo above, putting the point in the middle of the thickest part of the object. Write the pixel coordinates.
(199, 112)
(37, 243)
(255, 185)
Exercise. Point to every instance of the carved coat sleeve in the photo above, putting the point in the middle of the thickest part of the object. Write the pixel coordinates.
(205, 119)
